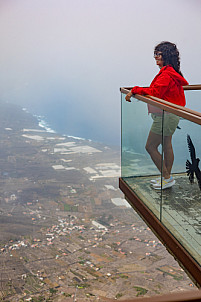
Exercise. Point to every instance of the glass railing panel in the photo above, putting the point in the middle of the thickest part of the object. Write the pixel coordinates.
(193, 99)
(181, 211)
(137, 167)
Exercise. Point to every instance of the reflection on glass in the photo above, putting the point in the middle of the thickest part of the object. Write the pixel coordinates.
(193, 98)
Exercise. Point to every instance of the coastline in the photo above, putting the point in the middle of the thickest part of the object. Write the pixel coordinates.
(45, 125)
(66, 226)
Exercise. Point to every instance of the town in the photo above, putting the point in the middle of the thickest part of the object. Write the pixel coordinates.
(67, 233)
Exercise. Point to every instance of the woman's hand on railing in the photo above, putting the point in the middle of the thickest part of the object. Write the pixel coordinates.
(128, 96)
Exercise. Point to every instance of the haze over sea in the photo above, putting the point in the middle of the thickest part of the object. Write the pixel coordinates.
(66, 59)
(42, 122)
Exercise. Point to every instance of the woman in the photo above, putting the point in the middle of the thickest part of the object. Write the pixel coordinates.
(166, 85)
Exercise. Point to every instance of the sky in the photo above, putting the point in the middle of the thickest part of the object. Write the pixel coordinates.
(67, 59)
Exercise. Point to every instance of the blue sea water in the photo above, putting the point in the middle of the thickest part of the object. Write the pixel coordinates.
(43, 124)
(78, 116)
(82, 132)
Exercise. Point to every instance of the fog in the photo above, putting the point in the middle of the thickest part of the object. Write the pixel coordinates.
(67, 59)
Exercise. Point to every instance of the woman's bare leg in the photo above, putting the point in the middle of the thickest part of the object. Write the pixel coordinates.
(168, 153)
(153, 141)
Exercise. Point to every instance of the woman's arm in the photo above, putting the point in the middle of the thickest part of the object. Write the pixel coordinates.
(158, 88)
(128, 96)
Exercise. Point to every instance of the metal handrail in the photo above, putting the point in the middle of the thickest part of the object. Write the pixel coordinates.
(192, 87)
(186, 113)
(187, 87)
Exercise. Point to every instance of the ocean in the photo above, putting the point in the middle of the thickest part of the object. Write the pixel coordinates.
(85, 129)
(52, 124)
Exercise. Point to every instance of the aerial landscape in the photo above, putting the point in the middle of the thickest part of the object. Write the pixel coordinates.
(67, 233)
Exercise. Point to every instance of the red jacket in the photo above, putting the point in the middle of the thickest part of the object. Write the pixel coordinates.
(166, 85)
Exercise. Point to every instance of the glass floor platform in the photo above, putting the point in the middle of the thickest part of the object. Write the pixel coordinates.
(179, 208)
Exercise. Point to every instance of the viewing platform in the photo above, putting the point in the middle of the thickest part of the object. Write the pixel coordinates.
(173, 214)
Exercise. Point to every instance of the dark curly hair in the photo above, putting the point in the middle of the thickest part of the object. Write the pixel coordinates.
(170, 55)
